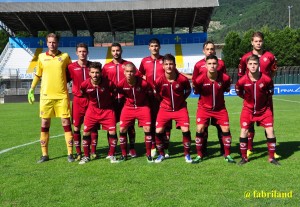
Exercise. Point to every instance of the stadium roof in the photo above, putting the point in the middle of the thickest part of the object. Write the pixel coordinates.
(105, 16)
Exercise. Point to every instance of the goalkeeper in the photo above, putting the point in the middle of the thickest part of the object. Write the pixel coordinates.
(54, 98)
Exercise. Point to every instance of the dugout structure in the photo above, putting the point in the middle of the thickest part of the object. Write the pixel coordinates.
(105, 16)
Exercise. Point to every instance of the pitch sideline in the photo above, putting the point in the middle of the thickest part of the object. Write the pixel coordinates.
(23, 145)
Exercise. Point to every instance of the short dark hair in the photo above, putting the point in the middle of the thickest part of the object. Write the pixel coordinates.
(96, 65)
(116, 44)
(211, 57)
(258, 34)
(253, 57)
(208, 42)
(168, 57)
(82, 45)
(154, 40)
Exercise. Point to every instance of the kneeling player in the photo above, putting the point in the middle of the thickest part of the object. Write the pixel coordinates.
(211, 85)
(137, 93)
(256, 88)
(99, 92)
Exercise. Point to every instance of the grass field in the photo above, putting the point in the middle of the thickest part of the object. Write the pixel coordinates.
(137, 183)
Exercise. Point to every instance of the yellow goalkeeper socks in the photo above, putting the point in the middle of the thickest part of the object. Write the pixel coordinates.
(44, 139)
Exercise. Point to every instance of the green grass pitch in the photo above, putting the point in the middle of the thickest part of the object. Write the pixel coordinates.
(137, 183)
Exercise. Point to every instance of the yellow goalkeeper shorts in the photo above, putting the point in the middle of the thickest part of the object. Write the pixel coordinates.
(55, 108)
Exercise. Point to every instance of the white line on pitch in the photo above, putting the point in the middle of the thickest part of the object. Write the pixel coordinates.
(29, 143)
(286, 100)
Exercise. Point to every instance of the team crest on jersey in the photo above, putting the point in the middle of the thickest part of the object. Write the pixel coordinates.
(102, 89)
(177, 85)
(138, 88)
(261, 85)
(123, 66)
(59, 59)
(161, 62)
(220, 84)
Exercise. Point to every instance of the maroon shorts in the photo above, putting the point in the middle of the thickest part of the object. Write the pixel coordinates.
(130, 114)
(248, 118)
(104, 117)
(79, 107)
(203, 116)
(181, 117)
(154, 108)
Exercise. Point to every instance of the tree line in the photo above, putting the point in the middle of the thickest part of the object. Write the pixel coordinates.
(284, 44)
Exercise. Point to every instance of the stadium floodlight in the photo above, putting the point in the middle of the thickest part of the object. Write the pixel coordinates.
(289, 8)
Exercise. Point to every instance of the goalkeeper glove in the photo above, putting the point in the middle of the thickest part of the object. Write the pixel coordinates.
(31, 96)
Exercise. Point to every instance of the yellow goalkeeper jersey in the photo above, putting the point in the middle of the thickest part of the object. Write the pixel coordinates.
(52, 71)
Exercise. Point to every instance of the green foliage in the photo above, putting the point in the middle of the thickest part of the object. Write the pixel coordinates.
(231, 49)
(3, 40)
(138, 183)
(241, 15)
(284, 44)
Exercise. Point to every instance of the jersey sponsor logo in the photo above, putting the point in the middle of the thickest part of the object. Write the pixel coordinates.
(77, 68)
(47, 59)
(89, 90)
(148, 61)
(247, 84)
(111, 66)
(126, 89)
(165, 84)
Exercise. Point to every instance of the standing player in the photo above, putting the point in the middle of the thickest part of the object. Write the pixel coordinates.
(172, 89)
(211, 86)
(199, 68)
(78, 72)
(114, 71)
(54, 97)
(137, 93)
(152, 68)
(267, 66)
(256, 88)
(99, 92)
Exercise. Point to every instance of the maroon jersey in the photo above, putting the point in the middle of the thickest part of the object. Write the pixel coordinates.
(267, 64)
(152, 68)
(200, 68)
(137, 95)
(212, 92)
(173, 94)
(78, 74)
(100, 96)
(256, 94)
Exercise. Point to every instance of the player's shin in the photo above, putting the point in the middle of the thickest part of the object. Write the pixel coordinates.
(69, 138)
(148, 143)
(199, 139)
(123, 143)
(86, 142)
(77, 142)
(44, 139)
(243, 147)
(227, 143)
(186, 138)
(159, 143)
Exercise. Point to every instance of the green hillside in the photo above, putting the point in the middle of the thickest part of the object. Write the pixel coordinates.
(242, 15)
